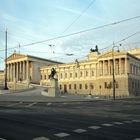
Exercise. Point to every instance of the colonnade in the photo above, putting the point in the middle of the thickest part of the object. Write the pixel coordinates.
(120, 66)
(18, 71)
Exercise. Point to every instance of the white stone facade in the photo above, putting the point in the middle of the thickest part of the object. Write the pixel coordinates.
(24, 69)
(94, 75)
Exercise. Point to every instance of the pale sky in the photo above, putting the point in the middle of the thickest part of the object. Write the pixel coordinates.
(29, 21)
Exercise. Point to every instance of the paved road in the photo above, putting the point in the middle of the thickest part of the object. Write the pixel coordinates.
(95, 120)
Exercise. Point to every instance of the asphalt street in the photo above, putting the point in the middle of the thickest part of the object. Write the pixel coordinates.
(88, 120)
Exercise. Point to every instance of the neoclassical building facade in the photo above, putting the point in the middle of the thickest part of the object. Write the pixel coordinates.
(1, 77)
(24, 69)
(94, 75)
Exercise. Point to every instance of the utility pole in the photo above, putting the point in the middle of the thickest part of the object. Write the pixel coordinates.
(113, 73)
(19, 47)
(5, 87)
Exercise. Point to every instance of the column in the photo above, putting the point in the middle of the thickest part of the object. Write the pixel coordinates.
(126, 65)
(23, 70)
(120, 66)
(89, 70)
(103, 68)
(11, 71)
(17, 74)
(14, 72)
(108, 73)
(7, 72)
(27, 70)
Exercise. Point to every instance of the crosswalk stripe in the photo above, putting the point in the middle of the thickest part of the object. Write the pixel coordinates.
(41, 138)
(94, 127)
(61, 135)
(79, 130)
(118, 123)
(107, 124)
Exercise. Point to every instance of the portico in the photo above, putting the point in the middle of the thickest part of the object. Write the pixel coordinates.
(24, 69)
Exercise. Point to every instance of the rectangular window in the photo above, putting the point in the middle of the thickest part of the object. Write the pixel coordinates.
(86, 87)
(60, 86)
(92, 73)
(86, 73)
(105, 84)
(70, 75)
(74, 86)
(81, 74)
(117, 85)
(80, 86)
(69, 86)
(65, 75)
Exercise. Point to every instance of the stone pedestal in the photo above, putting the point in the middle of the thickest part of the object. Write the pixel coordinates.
(52, 89)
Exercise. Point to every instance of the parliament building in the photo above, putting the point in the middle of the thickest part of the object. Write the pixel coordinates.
(23, 70)
(95, 74)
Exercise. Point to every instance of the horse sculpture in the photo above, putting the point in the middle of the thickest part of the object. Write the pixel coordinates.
(53, 72)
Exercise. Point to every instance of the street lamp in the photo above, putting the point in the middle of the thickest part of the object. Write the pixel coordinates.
(113, 71)
(5, 87)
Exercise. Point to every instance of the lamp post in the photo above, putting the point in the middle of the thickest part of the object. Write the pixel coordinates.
(5, 87)
(113, 72)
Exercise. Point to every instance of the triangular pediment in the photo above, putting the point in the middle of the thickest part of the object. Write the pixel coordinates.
(111, 54)
(15, 56)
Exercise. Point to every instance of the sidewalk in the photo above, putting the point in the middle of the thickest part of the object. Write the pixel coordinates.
(34, 95)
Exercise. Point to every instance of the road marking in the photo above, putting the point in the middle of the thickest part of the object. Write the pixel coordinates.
(14, 104)
(62, 135)
(118, 123)
(136, 120)
(94, 127)
(107, 124)
(29, 105)
(79, 130)
(137, 139)
(49, 103)
(65, 103)
(127, 121)
(41, 138)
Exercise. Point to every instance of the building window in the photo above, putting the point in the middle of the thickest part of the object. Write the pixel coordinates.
(74, 86)
(117, 85)
(86, 73)
(61, 76)
(60, 86)
(65, 75)
(45, 77)
(69, 86)
(41, 77)
(92, 73)
(70, 75)
(105, 85)
(81, 74)
(80, 86)
(86, 87)
(91, 86)
(75, 74)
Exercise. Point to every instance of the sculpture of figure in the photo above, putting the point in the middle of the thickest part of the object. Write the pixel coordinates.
(53, 72)
(95, 50)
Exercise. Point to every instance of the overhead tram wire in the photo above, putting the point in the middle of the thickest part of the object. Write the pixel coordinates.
(90, 4)
(75, 33)
(122, 40)
(83, 31)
